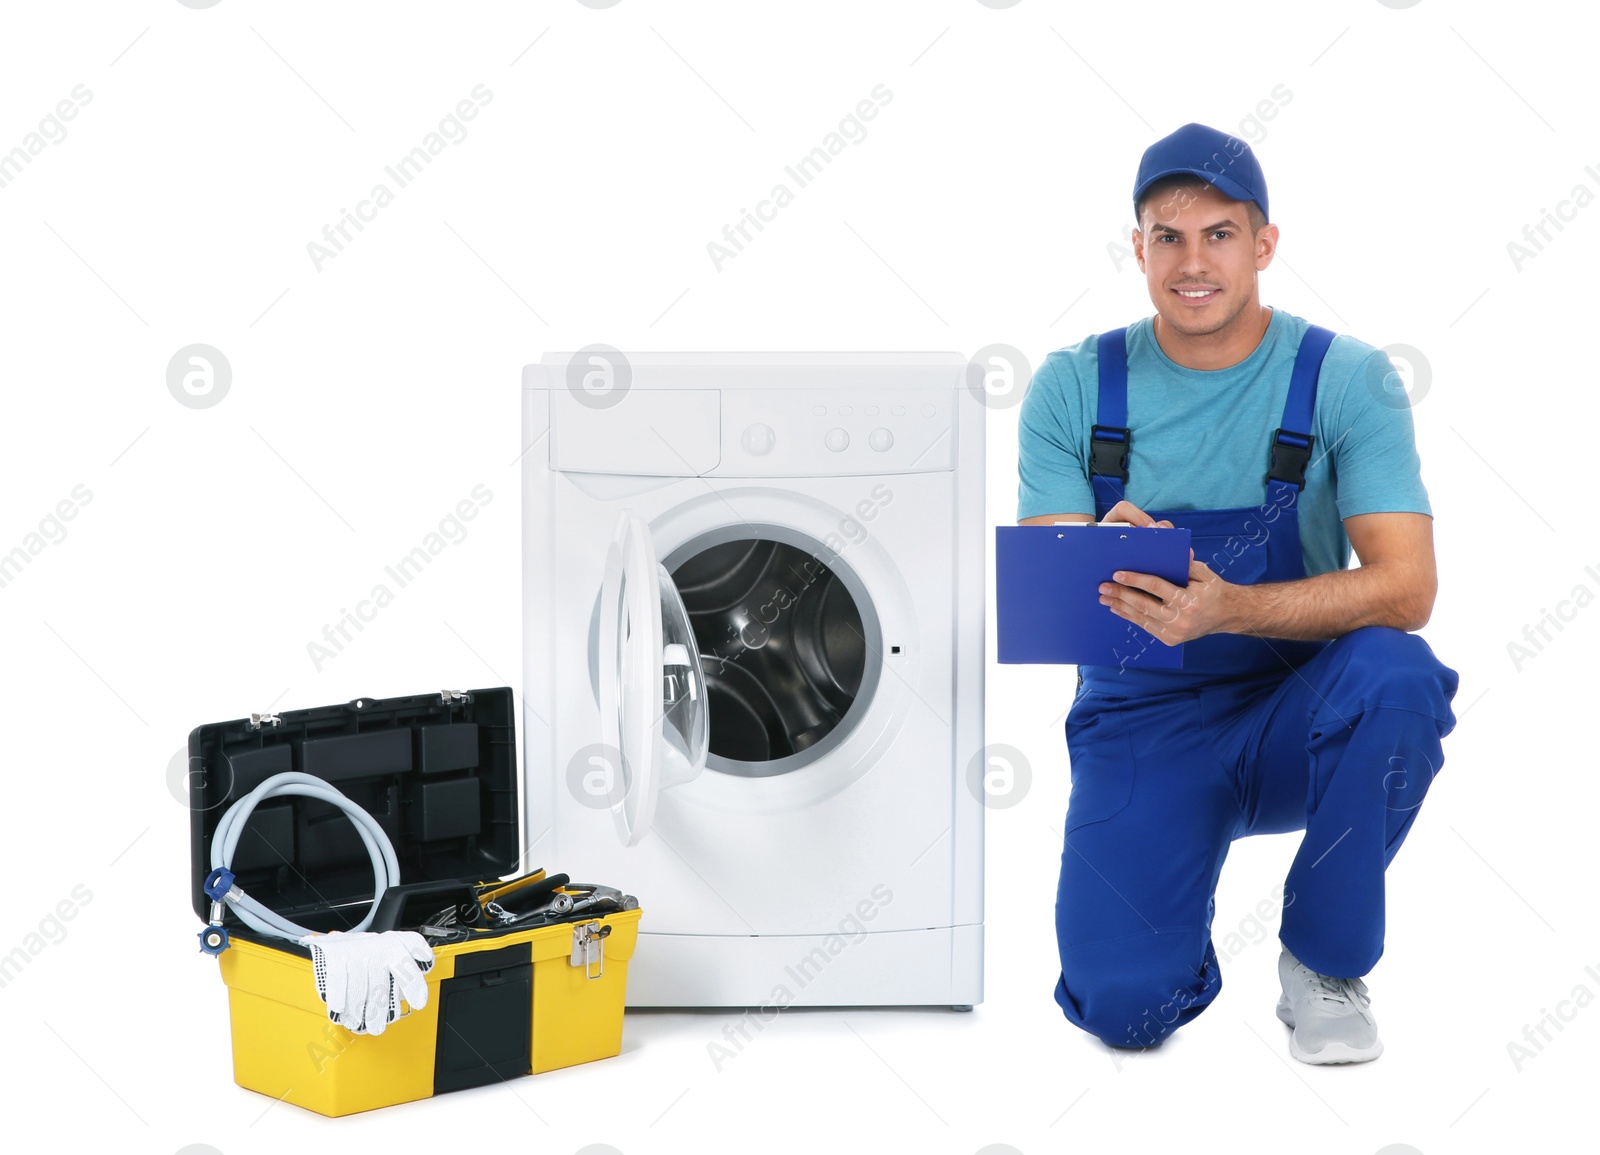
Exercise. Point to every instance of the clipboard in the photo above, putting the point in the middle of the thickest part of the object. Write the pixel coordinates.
(1047, 593)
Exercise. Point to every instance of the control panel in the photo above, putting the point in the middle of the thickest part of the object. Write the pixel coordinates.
(822, 432)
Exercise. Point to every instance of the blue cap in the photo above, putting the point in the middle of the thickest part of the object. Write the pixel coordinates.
(1223, 161)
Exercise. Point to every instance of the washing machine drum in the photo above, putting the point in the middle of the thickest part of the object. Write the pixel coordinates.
(783, 645)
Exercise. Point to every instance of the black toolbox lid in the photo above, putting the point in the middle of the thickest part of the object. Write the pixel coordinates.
(438, 771)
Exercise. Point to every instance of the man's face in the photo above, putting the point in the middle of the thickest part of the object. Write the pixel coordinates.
(1199, 258)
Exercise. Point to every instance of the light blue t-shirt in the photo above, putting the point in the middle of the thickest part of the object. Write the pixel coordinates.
(1201, 437)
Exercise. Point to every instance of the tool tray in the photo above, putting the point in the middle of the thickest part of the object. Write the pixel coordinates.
(439, 773)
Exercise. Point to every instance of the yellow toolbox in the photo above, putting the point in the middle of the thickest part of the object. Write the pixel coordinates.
(438, 773)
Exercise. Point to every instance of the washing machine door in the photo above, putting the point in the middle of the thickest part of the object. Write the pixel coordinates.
(652, 688)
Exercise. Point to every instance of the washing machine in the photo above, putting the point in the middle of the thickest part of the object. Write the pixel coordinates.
(754, 644)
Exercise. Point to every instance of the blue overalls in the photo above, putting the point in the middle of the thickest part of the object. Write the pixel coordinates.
(1253, 736)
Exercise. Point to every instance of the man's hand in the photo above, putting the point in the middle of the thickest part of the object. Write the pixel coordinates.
(1133, 515)
(1174, 614)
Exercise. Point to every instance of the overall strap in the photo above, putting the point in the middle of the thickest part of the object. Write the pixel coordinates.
(1292, 442)
(1110, 438)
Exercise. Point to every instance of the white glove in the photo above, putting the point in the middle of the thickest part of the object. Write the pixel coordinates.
(362, 976)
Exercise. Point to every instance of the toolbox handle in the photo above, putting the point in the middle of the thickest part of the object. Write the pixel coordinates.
(405, 907)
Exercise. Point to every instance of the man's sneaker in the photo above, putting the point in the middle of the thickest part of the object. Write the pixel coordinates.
(1332, 1018)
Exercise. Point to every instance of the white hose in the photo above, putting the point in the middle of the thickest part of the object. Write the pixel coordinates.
(385, 866)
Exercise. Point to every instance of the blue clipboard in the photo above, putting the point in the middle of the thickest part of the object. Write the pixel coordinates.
(1047, 593)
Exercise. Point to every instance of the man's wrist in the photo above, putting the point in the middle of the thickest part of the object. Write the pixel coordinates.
(1237, 603)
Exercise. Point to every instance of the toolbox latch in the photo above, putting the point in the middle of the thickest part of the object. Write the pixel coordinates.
(259, 720)
(446, 697)
(588, 948)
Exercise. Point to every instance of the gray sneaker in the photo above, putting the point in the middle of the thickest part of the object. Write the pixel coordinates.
(1331, 1018)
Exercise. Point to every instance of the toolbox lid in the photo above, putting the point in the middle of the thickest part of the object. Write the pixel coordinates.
(437, 771)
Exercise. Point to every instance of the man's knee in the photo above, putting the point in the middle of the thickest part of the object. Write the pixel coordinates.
(1377, 666)
(1128, 994)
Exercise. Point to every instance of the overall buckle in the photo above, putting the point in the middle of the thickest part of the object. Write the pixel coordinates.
(1290, 457)
(1108, 451)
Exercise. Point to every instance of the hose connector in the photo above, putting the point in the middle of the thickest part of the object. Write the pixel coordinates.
(219, 889)
(219, 885)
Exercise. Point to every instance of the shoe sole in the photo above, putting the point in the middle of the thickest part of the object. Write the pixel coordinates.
(1333, 1053)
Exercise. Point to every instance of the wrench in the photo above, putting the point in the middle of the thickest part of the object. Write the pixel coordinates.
(588, 897)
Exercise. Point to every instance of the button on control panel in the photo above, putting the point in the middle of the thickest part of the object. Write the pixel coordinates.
(758, 439)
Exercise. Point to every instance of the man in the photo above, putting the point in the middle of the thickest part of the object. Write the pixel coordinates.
(1304, 703)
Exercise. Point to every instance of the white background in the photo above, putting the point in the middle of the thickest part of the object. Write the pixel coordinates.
(370, 396)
